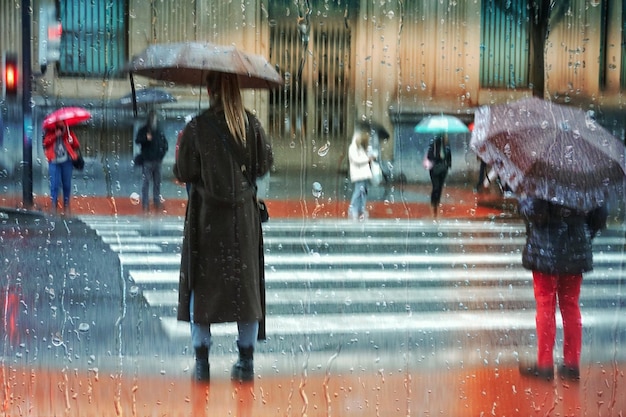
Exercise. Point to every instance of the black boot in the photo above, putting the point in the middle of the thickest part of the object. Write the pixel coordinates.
(202, 364)
(535, 371)
(243, 369)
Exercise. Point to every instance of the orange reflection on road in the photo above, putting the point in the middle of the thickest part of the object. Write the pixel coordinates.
(448, 392)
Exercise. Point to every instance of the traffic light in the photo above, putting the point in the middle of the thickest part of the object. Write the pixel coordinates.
(10, 75)
(54, 40)
(50, 31)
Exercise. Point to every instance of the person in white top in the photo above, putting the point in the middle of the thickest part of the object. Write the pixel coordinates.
(360, 173)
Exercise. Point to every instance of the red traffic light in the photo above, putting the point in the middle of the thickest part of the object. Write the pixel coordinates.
(10, 79)
(55, 30)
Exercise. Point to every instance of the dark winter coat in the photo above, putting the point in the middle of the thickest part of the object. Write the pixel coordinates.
(154, 149)
(558, 239)
(222, 252)
(439, 154)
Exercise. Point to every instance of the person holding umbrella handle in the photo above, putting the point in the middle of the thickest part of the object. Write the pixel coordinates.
(61, 147)
(438, 162)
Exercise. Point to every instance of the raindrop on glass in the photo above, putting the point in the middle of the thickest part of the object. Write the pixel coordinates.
(133, 291)
(323, 151)
(134, 199)
(316, 190)
(56, 341)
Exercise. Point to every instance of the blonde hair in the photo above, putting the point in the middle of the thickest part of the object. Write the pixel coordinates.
(361, 138)
(226, 94)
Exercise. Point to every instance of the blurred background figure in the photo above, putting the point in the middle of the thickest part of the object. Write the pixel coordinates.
(154, 146)
(61, 147)
(440, 161)
(360, 173)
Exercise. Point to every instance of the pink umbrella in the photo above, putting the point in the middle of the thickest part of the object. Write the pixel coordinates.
(69, 115)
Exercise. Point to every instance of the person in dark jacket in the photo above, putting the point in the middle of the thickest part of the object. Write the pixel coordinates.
(439, 161)
(558, 251)
(154, 146)
(221, 153)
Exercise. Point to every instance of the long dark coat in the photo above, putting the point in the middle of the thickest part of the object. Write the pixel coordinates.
(222, 252)
(558, 239)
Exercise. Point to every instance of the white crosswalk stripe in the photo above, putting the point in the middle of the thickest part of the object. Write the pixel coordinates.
(346, 281)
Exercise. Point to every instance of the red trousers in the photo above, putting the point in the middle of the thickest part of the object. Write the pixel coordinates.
(566, 290)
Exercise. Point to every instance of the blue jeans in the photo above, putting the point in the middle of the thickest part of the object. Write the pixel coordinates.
(201, 333)
(151, 171)
(359, 198)
(60, 175)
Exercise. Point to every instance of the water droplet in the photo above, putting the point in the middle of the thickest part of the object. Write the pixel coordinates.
(133, 291)
(316, 189)
(135, 199)
(56, 340)
(323, 151)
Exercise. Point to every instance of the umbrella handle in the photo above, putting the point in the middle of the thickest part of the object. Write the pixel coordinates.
(134, 93)
(489, 178)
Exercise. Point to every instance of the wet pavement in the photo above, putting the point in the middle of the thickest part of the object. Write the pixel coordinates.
(290, 194)
(471, 391)
(286, 385)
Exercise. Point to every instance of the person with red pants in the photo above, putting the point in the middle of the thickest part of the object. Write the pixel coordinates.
(558, 251)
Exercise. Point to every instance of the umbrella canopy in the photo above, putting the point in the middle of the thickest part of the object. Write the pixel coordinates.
(147, 96)
(373, 127)
(69, 115)
(190, 62)
(550, 151)
(441, 124)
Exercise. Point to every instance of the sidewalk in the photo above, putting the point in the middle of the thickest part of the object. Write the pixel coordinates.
(288, 196)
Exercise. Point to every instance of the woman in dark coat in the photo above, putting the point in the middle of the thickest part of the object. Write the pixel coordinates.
(440, 161)
(558, 251)
(221, 272)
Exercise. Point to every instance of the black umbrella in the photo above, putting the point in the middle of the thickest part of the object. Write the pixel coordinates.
(147, 96)
(373, 127)
(554, 152)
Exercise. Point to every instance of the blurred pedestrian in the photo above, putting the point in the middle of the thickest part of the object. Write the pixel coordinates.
(557, 251)
(61, 147)
(360, 156)
(482, 172)
(221, 154)
(154, 147)
(439, 161)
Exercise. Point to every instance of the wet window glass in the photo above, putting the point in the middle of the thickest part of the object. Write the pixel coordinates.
(312, 207)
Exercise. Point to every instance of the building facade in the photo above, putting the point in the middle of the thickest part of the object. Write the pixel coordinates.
(343, 61)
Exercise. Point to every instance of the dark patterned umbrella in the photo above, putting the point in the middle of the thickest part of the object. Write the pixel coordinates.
(554, 152)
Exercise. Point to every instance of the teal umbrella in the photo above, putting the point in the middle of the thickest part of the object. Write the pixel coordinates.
(441, 124)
